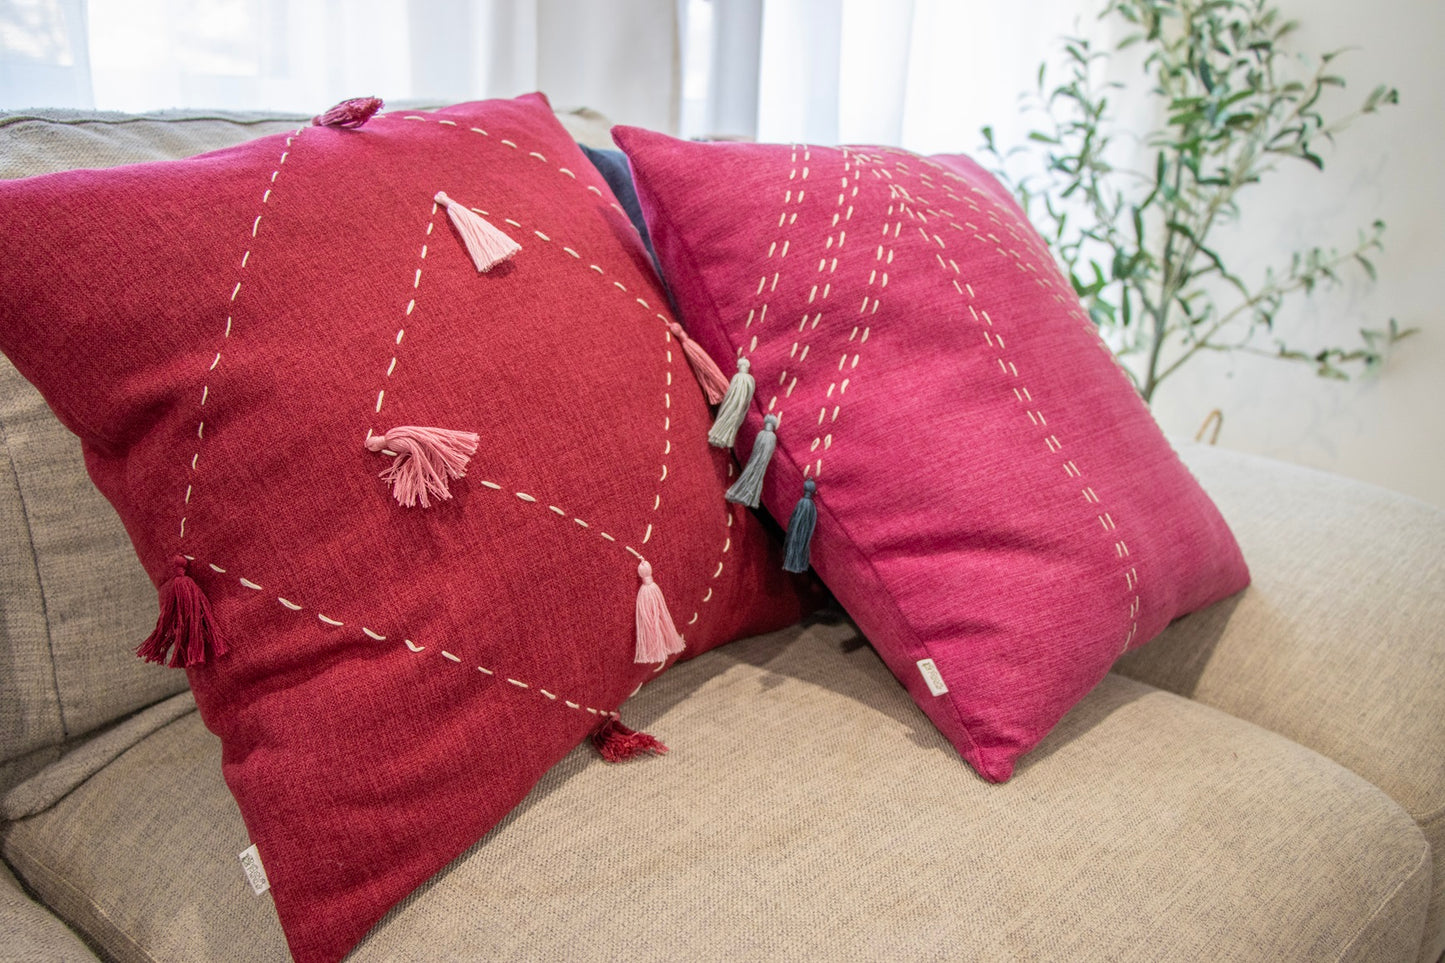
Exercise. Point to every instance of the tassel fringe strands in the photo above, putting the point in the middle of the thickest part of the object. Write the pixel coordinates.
(186, 629)
(426, 458)
(748, 489)
(349, 114)
(733, 408)
(487, 245)
(617, 743)
(657, 637)
(714, 383)
(797, 547)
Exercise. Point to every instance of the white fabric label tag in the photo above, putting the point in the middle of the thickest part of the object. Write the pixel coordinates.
(932, 676)
(255, 872)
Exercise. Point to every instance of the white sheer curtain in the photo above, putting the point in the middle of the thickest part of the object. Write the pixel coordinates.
(921, 74)
(619, 56)
(924, 74)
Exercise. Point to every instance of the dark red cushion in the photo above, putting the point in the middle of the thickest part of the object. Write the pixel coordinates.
(224, 332)
(995, 505)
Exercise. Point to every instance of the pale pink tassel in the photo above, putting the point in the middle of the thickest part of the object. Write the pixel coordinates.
(349, 114)
(709, 375)
(425, 459)
(657, 637)
(486, 244)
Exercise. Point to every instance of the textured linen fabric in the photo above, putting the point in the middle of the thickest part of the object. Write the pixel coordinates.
(31, 934)
(51, 784)
(612, 165)
(995, 504)
(225, 332)
(1340, 642)
(45, 141)
(75, 599)
(808, 810)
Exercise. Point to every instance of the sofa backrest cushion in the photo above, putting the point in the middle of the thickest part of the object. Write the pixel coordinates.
(74, 601)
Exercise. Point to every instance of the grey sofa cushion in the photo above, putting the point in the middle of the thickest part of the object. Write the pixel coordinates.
(808, 810)
(76, 602)
(1340, 642)
(29, 933)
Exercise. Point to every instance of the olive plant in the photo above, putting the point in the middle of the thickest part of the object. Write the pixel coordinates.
(1232, 105)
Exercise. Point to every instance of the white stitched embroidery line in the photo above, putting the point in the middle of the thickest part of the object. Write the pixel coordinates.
(829, 411)
(226, 333)
(417, 648)
(644, 305)
(561, 513)
(1036, 417)
(506, 142)
(727, 547)
(410, 308)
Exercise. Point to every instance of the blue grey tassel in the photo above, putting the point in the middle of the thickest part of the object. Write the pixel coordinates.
(733, 407)
(800, 531)
(748, 489)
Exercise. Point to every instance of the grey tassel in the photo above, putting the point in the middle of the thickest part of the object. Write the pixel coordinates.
(734, 406)
(797, 546)
(748, 489)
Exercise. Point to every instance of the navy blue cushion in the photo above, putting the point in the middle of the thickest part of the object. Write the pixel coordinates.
(612, 165)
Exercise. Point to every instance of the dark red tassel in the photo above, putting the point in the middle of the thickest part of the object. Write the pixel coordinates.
(349, 114)
(186, 630)
(617, 743)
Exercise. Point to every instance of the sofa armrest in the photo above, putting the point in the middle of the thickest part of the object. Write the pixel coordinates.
(1339, 643)
(32, 932)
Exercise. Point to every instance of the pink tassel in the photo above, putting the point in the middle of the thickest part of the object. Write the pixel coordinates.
(657, 637)
(186, 628)
(349, 114)
(425, 459)
(486, 244)
(709, 375)
(617, 743)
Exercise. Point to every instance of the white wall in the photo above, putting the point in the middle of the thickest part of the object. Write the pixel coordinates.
(963, 64)
(1388, 429)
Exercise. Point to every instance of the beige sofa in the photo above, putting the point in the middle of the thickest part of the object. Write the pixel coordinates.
(1264, 782)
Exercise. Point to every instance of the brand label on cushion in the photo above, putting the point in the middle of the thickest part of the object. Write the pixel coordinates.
(933, 677)
(255, 872)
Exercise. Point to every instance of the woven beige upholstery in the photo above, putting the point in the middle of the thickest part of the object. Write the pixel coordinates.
(1340, 642)
(809, 811)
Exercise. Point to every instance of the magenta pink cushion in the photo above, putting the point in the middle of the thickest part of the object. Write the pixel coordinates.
(223, 332)
(992, 494)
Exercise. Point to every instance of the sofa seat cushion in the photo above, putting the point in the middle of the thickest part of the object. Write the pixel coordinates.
(33, 933)
(808, 810)
(1340, 642)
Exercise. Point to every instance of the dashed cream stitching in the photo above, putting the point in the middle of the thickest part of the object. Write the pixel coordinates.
(849, 183)
(226, 332)
(561, 513)
(414, 647)
(530, 153)
(727, 547)
(1025, 398)
(667, 339)
(410, 308)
